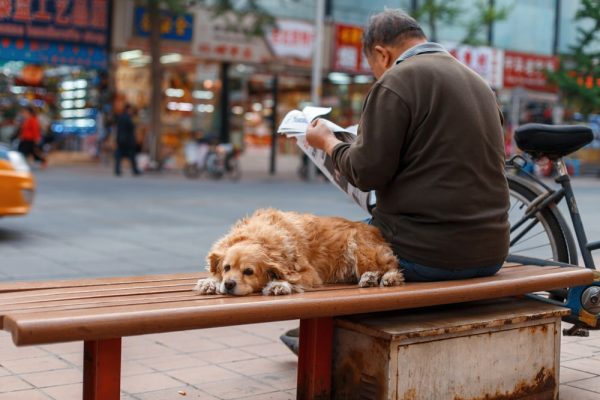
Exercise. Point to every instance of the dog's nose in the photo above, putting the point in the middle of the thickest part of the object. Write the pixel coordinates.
(229, 284)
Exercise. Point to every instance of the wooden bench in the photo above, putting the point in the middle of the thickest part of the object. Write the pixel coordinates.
(100, 312)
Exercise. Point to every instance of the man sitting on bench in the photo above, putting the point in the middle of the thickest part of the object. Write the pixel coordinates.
(430, 143)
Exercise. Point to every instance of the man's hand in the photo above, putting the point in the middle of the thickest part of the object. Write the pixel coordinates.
(319, 136)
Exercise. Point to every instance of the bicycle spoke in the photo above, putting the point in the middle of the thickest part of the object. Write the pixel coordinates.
(531, 248)
(531, 237)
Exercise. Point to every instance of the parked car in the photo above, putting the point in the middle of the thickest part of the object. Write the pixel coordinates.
(17, 184)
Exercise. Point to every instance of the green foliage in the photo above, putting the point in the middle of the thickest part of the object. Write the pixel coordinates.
(487, 14)
(579, 71)
(433, 12)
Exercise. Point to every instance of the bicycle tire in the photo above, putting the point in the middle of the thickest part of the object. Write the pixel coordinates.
(550, 219)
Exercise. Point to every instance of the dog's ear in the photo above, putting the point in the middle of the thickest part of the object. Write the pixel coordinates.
(277, 273)
(213, 260)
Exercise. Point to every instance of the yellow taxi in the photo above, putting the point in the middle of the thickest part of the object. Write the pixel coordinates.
(17, 184)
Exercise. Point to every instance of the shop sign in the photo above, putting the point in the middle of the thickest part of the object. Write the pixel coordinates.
(292, 39)
(72, 21)
(226, 37)
(488, 62)
(527, 70)
(42, 52)
(172, 26)
(347, 53)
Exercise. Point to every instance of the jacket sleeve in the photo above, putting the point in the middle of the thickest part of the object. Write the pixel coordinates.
(372, 161)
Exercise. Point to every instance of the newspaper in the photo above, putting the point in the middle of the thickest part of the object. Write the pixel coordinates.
(295, 123)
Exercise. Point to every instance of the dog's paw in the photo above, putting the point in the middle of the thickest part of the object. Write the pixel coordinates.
(369, 279)
(277, 288)
(207, 286)
(392, 278)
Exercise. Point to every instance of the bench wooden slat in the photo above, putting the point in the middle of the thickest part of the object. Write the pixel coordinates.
(94, 323)
(7, 287)
(135, 294)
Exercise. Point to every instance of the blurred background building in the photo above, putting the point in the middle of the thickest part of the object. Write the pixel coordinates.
(79, 62)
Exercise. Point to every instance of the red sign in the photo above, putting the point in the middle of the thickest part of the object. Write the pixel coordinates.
(527, 70)
(347, 53)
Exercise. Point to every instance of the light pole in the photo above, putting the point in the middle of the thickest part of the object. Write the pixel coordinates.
(317, 68)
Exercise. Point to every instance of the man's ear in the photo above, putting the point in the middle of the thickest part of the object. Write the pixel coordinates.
(213, 259)
(382, 55)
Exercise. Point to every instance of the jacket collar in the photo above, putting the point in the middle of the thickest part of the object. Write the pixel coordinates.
(429, 47)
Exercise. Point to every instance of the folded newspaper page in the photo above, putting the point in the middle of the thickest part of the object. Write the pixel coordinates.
(295, 124)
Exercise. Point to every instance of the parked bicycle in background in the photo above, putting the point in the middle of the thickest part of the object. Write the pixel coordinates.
(217, 160)
(539, 232)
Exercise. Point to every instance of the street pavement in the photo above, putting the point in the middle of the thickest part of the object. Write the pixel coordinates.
(88, 223)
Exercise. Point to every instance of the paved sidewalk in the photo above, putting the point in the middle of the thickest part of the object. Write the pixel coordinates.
(242, 362)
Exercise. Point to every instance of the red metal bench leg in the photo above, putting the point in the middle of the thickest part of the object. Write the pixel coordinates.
(314, 361)
(102, 369)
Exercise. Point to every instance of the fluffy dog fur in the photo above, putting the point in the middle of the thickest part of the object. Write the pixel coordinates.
(280, 253)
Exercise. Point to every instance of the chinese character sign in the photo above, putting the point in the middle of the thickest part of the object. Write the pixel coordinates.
(172, 26)
(488, 62)
(83, 22)
(292, 38)
(347, 54)
(528, 70)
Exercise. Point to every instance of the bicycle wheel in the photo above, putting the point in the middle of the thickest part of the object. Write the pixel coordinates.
(546, 236)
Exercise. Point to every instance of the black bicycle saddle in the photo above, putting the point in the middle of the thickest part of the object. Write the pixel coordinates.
(552, 141)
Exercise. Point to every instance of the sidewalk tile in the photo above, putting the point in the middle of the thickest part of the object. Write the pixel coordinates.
(270, 396)
(192, 345)
(53, 378)
(571, 393)
(65, 392)
(25, 395)
(589, 365)
(178, 393)
(268, 350)
(11, 383)
(146, 350)
(258, 366)
(61, 349)
(580, 349)
(199, 376)
(237, 388)
(34, 364)
(130, 368)
(569, 375)
(177, 361)
(242, 340)
(591, 384)
(223, 356)
(280, 380)
(148, 382)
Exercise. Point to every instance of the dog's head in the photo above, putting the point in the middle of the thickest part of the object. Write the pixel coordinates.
(245, 267)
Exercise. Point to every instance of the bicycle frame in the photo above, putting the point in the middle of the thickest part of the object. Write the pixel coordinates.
(555, 196)
(581, 319)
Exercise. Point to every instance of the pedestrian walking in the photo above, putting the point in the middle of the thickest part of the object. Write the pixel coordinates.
(126, 141)
(30, 136)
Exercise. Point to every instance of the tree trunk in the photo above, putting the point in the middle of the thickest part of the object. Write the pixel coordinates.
(156, 79)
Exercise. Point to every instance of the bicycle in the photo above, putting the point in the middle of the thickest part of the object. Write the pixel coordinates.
(540, 234)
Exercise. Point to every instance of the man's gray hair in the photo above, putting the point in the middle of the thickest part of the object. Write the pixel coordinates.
(390, 27)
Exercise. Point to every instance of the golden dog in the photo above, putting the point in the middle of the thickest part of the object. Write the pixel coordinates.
(280, 253)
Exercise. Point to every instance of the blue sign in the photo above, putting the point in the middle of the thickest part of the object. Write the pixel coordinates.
(40, 52)
(172, 27)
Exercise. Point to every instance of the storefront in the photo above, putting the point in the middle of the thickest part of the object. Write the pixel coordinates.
(53, 57)
(218, 81)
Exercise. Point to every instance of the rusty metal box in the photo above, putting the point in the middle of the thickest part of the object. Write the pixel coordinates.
(502, 349)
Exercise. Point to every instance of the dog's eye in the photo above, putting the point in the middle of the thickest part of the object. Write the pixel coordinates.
(248, 271)
(226, 268)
